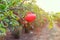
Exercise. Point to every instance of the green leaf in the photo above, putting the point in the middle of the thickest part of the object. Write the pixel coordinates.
(0, 25)
(2, 31)
(2, 7)
(6, 20)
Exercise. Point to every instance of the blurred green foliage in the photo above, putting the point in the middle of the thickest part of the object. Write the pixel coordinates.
(9, 19)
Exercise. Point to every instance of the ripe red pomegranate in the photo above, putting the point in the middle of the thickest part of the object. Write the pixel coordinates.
(30, 17)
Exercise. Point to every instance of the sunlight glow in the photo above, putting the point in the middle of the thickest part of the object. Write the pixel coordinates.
(49, 5)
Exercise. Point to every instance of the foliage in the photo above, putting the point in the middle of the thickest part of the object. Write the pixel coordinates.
(50, 22)
(11, 12)
(57, 18)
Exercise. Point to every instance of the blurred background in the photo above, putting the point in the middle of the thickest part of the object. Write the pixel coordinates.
(29, 19)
